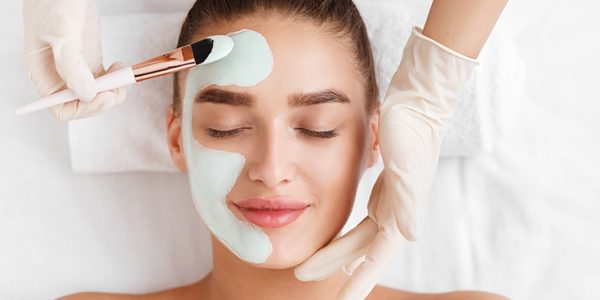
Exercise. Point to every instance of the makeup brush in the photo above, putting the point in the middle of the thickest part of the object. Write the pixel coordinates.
(203, 52)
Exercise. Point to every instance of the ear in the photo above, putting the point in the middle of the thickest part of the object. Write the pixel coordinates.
(373, 155)
(174, 139)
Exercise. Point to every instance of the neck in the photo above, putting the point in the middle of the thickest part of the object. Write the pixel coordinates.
(233, 278)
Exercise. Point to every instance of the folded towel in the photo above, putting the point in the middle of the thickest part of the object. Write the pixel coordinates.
(132, 137)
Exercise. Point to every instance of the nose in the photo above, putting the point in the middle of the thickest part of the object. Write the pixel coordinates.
(273, 162)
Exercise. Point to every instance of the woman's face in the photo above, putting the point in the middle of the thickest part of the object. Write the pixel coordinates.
(304, 132)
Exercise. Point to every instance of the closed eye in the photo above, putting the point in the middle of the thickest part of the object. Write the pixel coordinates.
(224, 134)
(234, 132)
(319, 134)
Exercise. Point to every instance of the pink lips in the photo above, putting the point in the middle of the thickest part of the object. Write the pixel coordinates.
(271, 212)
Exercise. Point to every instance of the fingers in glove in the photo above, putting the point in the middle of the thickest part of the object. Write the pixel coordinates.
(73, 68)
(364, 279)
(41, 70)
(102, 102)
(78, 109)
(338, 253)
(63, 32)
(349, 269)
(119, 93)
(404, 188)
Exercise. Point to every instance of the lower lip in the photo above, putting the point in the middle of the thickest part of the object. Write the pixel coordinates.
(271, 218)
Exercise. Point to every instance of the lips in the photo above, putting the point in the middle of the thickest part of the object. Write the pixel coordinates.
(271, 212)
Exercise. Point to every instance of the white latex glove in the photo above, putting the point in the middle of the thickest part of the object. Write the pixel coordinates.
(62, 44)
(423, 94)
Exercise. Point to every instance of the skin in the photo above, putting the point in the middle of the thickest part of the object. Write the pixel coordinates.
(463, 25)
(285, 158)
(282, 160)
(282, 157)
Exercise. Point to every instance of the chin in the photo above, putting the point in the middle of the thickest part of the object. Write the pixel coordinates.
(288, 252)
(281, 263)
(295, 243)
(292, 246)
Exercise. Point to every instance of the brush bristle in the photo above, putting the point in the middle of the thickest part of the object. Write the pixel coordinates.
(202, 50)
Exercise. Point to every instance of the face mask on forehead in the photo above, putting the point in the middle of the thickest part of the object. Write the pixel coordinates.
(213, 173)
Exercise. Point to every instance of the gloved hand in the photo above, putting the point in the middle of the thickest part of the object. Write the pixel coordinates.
(423, 94)
(62, 44)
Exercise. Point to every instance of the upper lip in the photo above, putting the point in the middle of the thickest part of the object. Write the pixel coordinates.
(271, 203)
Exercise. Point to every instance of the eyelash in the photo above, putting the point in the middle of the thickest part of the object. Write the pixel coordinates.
(223, 134)
(319, 134)
(310, 133)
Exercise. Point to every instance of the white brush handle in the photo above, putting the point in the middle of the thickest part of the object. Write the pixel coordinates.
(107, 82)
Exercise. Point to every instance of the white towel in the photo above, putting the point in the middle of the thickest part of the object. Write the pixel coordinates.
(132, 137)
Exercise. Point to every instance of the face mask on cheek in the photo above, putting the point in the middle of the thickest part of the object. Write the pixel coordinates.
(213, 173)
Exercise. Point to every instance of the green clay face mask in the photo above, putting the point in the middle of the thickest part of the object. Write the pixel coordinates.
(213, 173)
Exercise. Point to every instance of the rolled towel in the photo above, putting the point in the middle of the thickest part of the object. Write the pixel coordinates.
(132, 137)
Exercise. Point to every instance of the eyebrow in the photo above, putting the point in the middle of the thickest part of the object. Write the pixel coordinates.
(218, 96)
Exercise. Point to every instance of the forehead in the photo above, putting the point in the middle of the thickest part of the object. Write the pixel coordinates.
(306, 58)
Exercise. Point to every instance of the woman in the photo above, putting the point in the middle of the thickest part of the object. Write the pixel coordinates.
(307, 133)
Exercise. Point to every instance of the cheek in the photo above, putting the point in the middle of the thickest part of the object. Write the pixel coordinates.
(335, 167)
(334, 174)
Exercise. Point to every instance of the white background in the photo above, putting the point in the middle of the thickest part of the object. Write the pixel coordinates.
(523, 221)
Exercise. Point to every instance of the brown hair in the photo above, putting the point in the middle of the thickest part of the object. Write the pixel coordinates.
(339, 17)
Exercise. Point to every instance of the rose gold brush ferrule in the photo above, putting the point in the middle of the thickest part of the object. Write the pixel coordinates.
(173, 61)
